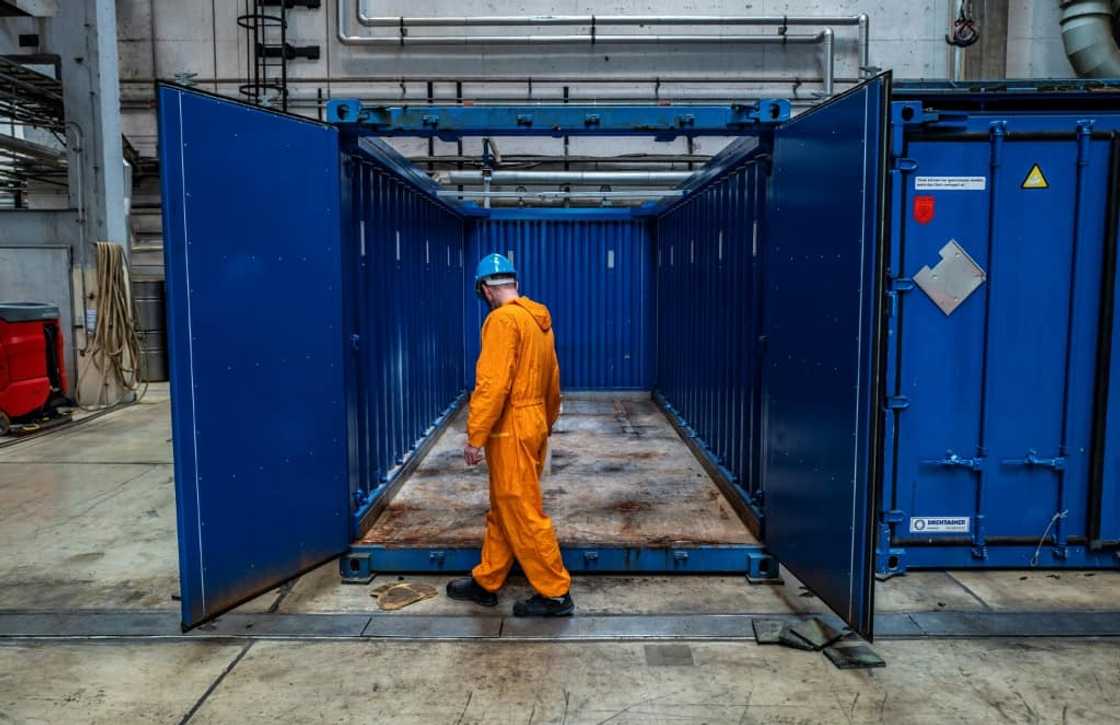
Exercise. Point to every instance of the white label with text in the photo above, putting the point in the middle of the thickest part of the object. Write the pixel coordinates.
(950, 183)
(939, 524)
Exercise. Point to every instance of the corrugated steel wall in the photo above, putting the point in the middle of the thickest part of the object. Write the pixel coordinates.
(708, 317)
(996, 403)
(407, 252)
(594, 271)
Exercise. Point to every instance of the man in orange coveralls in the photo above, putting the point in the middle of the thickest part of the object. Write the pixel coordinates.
(515, 403)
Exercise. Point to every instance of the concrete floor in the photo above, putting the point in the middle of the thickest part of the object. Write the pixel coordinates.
(87, 523)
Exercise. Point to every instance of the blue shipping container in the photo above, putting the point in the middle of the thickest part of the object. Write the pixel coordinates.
(886, 326)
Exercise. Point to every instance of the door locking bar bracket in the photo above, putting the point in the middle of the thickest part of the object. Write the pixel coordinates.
(1058, 463)
(952, 460)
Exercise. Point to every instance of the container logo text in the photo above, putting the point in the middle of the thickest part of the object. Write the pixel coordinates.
(939, 524)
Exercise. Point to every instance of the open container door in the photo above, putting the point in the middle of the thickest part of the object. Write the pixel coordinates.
(823, 333)
(250, 206)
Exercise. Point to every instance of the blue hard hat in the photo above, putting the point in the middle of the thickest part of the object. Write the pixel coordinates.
(493, 265)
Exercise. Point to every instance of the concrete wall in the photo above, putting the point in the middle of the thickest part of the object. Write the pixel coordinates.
(1034, 41)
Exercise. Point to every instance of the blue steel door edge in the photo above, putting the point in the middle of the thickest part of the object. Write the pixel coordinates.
(1104, 528)
(242, 476)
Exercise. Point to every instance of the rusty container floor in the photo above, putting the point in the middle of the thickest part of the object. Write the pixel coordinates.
(621, 476)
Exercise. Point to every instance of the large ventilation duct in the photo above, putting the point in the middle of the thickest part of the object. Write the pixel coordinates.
(1087, 31)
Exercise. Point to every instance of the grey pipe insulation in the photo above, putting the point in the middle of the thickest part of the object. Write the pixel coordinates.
(1089, 36)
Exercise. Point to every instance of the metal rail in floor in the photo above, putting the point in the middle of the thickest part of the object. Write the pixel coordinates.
(164, 625)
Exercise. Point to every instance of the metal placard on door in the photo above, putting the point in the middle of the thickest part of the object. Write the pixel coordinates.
(952, 280)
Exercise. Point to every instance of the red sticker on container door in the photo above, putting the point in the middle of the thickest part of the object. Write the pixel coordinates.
(923, 209)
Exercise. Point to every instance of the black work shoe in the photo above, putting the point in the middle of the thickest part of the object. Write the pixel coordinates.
(468, 590)
(538, 606)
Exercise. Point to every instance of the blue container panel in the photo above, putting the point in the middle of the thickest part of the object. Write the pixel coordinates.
(594, 271)
(407, 259)
(255, 326)
(1012, 370)
(707, 318)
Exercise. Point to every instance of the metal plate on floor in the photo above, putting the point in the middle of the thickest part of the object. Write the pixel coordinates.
(853, 653)
(789, 639)
(768, 631)
(816, 632)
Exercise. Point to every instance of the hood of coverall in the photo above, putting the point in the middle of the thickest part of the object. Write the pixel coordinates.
(537, 310)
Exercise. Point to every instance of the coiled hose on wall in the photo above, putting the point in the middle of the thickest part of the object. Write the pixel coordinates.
(114, 346)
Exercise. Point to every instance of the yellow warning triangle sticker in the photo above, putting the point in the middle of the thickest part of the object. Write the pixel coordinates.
(1035, 179)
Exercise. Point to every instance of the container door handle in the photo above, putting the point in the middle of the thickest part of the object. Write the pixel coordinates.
(1032, 460)
(952, 460)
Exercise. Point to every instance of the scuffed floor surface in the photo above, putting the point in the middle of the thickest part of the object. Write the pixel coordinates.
(943, 682)
(87, 521)
(621, 476)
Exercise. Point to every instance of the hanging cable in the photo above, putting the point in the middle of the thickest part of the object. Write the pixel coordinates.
(1046, 535)
(114, 347)
(965, 32)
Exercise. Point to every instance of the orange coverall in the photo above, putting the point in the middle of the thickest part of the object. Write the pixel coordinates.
(516, 401)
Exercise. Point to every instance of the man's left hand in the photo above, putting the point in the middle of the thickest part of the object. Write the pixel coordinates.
(472, 455)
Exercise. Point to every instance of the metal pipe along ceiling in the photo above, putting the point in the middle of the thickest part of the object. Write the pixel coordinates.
(630, 178)
(576, 194)
(1087, 32)
(403, 24)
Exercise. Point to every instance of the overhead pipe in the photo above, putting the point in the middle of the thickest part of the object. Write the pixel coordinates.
(403, 23)
(574, 194)
(627, 178)
(403, 38)
(1087, 33)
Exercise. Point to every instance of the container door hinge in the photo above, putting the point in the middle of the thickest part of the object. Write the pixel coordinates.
(889, 560)
(897, 402)
(904, 164)
(894, 516)
(895, 287)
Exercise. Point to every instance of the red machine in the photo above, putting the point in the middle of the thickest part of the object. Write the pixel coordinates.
(32, 373)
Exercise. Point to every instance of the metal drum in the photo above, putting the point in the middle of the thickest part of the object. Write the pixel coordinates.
(150, 324)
